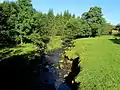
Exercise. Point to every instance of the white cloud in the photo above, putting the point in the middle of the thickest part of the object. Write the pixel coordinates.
(1, 1)
(6, 0)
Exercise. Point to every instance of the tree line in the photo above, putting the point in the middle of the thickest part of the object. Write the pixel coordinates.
(21, 23)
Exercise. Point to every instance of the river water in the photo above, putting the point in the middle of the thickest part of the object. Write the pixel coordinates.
(50, 76)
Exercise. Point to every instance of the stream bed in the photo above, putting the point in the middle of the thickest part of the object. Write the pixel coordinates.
(50, 76)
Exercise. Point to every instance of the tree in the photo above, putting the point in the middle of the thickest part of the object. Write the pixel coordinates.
(67, 39)
(66, 15)
(106, 29)
(23, 20)
(5, 24)
(5, 14)
(59, 24)
(51, 23)
(118, 27)
(94, 18)
(14, 10)
(40, 34)
(74, 26)
(85, 30)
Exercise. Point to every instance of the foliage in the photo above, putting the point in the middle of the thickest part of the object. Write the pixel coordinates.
(94, 18)
(117, 27)
(22, 24)
(23, 20)
(107, 29)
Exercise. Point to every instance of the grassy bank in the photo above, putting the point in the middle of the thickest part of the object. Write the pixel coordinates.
(100, 61)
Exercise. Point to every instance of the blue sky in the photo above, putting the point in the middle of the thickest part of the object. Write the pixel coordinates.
(111, 8)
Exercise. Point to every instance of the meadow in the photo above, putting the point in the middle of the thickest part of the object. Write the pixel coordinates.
(100, 62)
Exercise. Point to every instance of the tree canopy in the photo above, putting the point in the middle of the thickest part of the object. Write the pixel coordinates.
(21, 23)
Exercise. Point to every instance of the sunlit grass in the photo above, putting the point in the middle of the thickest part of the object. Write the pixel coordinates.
(17, 50)
(100, 62)
(54, 43)
(23, 49)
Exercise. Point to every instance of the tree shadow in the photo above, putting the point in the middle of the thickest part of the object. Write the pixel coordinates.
(18, 73)
(4, 53)
(7, 53)
(6, 41)
(116, 40)
(70, 79)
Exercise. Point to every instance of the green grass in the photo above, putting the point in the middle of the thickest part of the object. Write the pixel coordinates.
(54, 43)
(100, 61)
(23, 49)
(20, 49)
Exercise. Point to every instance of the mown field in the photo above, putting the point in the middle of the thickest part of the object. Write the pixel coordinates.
(100, 62)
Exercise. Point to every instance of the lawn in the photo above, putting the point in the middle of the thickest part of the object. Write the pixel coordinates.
(100, 62)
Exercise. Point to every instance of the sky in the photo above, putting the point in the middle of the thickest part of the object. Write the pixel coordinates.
(110, 8)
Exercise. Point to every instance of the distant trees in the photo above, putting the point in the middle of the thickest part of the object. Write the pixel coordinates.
(117, 27)
(94, 18)
(21, 23)
(106, 29)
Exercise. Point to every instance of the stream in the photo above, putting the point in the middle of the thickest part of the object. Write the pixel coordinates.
(41, 73)
(50, 76)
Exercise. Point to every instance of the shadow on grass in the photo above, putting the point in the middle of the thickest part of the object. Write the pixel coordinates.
(116, 41)
(18, 73)
(7, 53)
(75, 70)
(22, 72)
(70, 83)
(6, 44)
